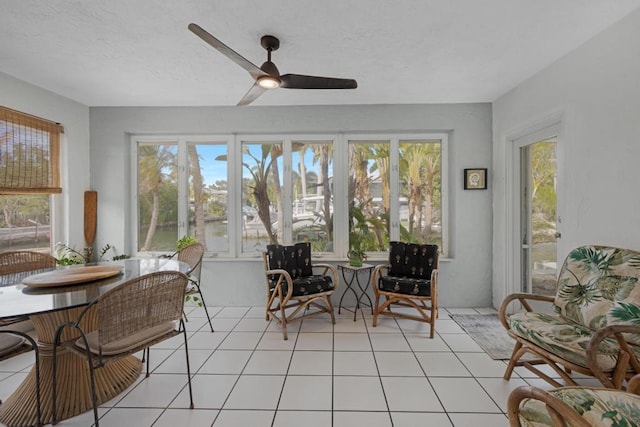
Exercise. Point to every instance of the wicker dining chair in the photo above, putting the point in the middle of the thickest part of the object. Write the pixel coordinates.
(15, 333)
(192, 255)
(14, 340)
(130, 318)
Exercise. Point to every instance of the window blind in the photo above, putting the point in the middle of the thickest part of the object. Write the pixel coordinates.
(29, 154)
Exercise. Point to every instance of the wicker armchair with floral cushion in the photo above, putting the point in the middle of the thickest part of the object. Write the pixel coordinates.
(575, 406)
(593, 325)
(410, 279)
(294, 290)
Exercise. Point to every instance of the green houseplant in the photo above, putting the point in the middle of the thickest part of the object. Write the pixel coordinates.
(356, 253)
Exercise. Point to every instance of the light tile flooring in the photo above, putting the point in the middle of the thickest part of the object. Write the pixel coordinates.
(347, 374)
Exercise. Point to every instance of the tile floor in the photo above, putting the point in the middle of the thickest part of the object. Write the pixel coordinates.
(347, 374)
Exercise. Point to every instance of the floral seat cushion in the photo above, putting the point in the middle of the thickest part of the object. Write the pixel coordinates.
(596, 406)
(564, 338)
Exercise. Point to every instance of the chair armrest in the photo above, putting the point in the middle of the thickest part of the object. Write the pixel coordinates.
(522, 298)
(379, 270)
(332, 269)
(284, 275)
(615, 331)
(558, 410)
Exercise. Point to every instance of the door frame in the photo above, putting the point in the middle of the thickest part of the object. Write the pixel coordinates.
(534, 132)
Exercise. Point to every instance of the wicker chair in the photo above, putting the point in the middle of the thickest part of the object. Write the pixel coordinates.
(589, 327)
(192, 255)
(575, 406)
(293, 286)
(15, 337)
(410, 279)
(130, 318)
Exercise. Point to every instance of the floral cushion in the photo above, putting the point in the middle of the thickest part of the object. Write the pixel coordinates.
(596, 406)
(598, 286)
(564, 338)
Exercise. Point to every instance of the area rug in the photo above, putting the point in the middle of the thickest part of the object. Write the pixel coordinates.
(487, 331)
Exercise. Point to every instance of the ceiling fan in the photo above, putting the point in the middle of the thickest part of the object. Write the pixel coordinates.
(267, 75)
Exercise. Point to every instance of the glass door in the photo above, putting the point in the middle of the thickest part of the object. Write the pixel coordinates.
(538, 203)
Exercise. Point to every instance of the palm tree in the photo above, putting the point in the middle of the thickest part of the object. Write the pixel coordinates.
(260, 172)
(156, 165)
(420, 170)
(198, 193)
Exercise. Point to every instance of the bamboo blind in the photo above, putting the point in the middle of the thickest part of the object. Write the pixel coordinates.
(29, 154)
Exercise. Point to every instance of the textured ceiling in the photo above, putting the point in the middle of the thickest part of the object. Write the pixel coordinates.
(140, 53)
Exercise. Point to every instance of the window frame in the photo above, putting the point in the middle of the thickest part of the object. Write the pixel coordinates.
(340, 143)
(395, 140)
(181, 142)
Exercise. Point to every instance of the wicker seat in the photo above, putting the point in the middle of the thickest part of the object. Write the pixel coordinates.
(192, 255)
(530, 406)
(130, 318)
(294, 292)
(410, 279)
(15, 334)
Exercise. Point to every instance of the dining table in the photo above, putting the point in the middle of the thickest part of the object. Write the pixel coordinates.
(50, 298)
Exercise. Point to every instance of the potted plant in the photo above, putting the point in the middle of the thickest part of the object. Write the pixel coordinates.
(356, 252)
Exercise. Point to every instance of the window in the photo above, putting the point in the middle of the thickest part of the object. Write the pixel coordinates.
(29, 175)
(181, 190)
(239, 193)
(395, 192)
(312, 194)
(262, 211)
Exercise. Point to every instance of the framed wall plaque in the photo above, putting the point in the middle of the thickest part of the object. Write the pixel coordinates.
(475, 179)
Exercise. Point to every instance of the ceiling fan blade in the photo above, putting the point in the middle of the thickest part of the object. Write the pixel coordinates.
(298, 81)
(253, 69)
(255, 91)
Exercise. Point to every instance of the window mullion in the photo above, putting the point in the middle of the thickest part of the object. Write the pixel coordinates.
(394, 189)
(287, 199)
(183, 189)
(234, 195)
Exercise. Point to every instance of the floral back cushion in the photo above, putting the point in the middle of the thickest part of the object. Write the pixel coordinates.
(598, 286)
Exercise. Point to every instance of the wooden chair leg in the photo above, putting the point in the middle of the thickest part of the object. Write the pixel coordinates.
(514, 359)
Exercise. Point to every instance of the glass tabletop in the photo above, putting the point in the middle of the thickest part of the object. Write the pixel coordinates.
(17, 299)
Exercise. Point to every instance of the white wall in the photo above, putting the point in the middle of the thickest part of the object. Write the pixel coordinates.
(596, 90)
(465, 279)
(19, 95)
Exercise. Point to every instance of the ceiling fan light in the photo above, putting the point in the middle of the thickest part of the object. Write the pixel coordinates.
(268, 82)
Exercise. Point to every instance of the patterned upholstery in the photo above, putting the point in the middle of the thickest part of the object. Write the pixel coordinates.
(597, 288)
(410, 269)
(408, 280)
(296, 288)
(565, 338)
(597, 406)
(296, 260)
